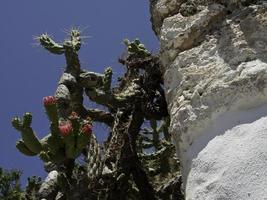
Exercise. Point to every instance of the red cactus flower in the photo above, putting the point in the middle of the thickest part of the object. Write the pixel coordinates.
(65, 128)
(87, 129)
(74, 115)
(49, 100)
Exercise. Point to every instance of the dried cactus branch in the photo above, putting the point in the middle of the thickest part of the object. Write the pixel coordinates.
(100, 116)
(91, 79)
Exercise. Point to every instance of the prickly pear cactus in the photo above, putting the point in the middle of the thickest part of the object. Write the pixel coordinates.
(134, 161)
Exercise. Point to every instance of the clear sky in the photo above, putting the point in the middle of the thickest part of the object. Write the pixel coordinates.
(28, 73)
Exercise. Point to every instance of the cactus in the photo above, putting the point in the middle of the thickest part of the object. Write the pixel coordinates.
(21, 146)
(51, 108)
(75, 40)
(121, 167)
(48, 43)
(107, 80)
(94, 160)
(136, 48)
(66, 140)
(29, 138)
(65, 128)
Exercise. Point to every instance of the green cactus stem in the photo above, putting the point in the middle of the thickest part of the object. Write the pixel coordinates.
(17, 123)
(45, 143)
(48, 156)
(44, 156)
(70, 146)
(30, 139)
(27, 134)
(116, 100)
(20, 145)
(55, 134)
(53, 144)
(27, 120)
(73, 44)
(70, 47)
(49, 44)
(69, 92)
(136, 48)
(75, 38)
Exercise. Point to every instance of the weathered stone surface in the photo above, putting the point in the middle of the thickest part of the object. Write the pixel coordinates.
(215, 64)
(180, 33)
(160, 9)
(232, 165)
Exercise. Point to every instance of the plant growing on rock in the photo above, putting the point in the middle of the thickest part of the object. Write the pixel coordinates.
(121, 168)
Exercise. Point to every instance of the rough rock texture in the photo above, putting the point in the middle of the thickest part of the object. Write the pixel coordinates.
(232, 165)
(214, 54)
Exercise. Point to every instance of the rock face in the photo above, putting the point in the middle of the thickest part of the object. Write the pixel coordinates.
(232, 165)
(214, 55)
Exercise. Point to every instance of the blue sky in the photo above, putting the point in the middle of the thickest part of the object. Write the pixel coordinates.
(28, 73)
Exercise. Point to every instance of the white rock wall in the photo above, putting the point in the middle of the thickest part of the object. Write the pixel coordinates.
(229, 159)
(215, 62)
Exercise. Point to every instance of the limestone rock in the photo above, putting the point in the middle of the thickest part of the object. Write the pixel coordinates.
(215, 65)
(180, 33)
(232, 165)
(160, 9)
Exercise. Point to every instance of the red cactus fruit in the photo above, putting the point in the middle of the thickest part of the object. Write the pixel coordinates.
(87, 129)
(65, 128)
(49, 100)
